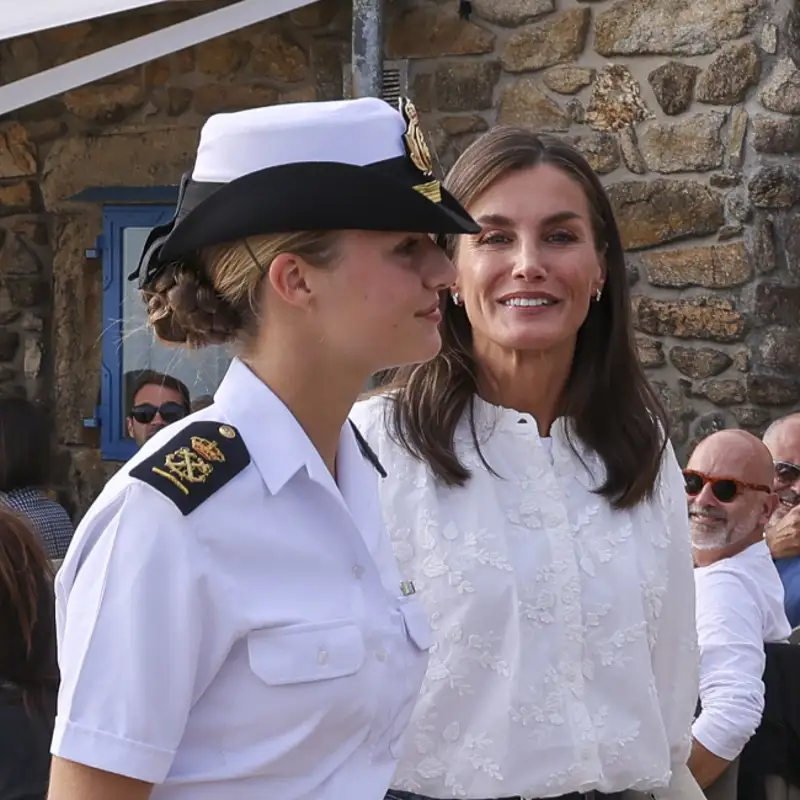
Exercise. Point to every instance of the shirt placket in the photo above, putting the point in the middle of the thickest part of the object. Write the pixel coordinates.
(561, 535)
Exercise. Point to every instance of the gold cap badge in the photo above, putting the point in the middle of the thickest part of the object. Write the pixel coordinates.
(414, 138)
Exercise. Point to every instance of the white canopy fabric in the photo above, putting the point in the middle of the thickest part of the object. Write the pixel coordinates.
(128, 54)
(18, 17)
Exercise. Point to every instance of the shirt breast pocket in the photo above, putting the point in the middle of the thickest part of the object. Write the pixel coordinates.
(310, 685)
(306, 653)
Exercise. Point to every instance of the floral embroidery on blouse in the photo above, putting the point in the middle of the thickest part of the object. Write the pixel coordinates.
(565, 656)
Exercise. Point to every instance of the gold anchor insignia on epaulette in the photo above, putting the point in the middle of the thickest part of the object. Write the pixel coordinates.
(191, 465)
(418, 151)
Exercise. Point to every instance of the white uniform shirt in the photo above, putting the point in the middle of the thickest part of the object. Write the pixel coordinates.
(565, 656)
(259, 647)
(739, 607)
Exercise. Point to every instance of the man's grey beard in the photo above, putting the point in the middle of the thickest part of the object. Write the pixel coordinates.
(711, 529)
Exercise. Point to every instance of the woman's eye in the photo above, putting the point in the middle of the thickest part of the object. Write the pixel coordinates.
(494, 238)
(561, 237)
(408, 247)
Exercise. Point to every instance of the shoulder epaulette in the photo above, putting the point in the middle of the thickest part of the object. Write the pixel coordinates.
(198, 461)
(367, 451)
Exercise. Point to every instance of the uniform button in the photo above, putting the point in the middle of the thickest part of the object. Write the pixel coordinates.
(381, 655)
(358, 571)
(322, 656)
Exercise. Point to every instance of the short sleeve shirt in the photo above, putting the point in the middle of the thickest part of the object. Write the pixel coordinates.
(263, 645)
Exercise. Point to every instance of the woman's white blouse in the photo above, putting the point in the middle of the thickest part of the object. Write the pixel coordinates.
(260, 646)
(565, 656)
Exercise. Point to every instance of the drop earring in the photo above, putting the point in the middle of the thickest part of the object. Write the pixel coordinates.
(456, 298)
(598, 293)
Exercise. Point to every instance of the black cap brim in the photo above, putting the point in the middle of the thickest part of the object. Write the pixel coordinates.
(308, 197)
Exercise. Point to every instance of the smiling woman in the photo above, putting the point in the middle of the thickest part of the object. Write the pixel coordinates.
(534, 499)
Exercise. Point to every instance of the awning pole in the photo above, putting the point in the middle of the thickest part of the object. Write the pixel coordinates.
(367, 48)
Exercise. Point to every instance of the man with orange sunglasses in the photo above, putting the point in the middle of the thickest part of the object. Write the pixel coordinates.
(739, 597)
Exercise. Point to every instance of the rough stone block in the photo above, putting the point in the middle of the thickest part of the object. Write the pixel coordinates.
(699, 362)
(105, 102)
(216, 98)
(781, 92)
(692, 144)
(776, 135)
(558, 40)
(18, 198)
(523, 103)
(600, 150)
(775, 187)
(655, 212)
(511, 13)
(222, 56)
(776, 304)
(276, 58)
(466, 86)
(650, 352)
(670, 27)
(707, 318)
(728, 77)
(779, 349)
(616, 102)
(720, 266)
(151, 156)
(568, 80)
(772, 390)
(673, 85)
(17, 153)
(722, 392)
(435, 32)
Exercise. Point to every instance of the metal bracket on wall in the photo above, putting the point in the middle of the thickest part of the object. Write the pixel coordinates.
(395, 81)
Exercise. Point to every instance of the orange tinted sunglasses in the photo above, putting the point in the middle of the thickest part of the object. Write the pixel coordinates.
(724, 489)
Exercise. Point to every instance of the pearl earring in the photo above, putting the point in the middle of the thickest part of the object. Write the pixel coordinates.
(457, 298)
(598, 293)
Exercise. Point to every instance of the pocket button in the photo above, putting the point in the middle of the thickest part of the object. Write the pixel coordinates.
(322, 656)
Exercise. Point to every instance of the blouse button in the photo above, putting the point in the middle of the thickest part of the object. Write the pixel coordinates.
(358, 571)
(322, 656)
(381, 655)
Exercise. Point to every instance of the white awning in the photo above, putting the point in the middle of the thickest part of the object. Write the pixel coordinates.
(26, 16)
(162, 42)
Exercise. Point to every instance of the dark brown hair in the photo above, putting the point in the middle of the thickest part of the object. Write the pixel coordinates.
(610, 406)
(27, 614)
(25, 455)
(149, 377)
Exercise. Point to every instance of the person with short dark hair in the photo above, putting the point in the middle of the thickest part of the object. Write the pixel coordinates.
(28, 669)
(157, 400)
(533, 495)
(25, 462)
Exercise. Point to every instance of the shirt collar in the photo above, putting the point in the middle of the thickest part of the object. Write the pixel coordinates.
(278, 445)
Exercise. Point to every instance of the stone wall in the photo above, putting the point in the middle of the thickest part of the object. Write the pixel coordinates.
(689, 110)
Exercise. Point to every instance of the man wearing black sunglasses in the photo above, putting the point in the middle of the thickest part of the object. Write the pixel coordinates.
(157, 400)
(782, 439)
(739, 598)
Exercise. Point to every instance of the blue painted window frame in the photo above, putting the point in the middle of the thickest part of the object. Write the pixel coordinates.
(114, 446)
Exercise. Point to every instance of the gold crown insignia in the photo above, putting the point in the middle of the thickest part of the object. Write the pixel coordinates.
(206, 449)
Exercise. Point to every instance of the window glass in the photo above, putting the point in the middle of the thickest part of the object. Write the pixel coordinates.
(201, 370)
